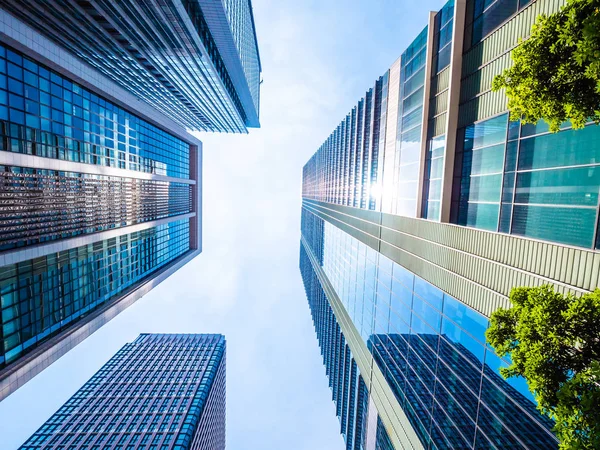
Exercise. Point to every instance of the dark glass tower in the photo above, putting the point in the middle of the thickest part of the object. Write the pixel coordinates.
(421, 211)
(162, 391)
(100, 181)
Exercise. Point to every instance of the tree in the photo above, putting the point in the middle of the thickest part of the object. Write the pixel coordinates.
(555, 74)
(554, 343)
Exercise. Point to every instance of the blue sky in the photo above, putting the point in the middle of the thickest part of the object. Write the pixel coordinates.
(318, 57)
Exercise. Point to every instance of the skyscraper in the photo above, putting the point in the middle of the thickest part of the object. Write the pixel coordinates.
(420, 212)
(100, 183)
(195, 60)
(162, 391)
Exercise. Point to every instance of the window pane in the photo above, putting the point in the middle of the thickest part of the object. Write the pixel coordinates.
(565, 148)
(578, 186)
(571, 226)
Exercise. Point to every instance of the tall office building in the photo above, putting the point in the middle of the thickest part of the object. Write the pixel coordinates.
(420, 212)
(100, 183)
(195, 60)
(162, 391)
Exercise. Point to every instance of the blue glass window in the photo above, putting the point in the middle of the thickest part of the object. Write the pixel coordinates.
(150, 149)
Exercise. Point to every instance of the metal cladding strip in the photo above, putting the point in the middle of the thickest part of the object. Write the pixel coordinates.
(390, 411)
(196, 174)
(36, 251)
(39, 162)
(425, 114)
(454, 85)
(477, 267)
(31, 364)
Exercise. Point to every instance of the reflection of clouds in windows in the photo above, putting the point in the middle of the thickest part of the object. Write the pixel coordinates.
(431, 350)
(46, 114)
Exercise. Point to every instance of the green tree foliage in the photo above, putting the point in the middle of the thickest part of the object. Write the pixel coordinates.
(554, 343)
(556, 71)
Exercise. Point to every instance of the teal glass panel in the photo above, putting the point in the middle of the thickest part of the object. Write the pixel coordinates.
(505, 217)
(578, 186)
(55, 290)
(432, 210)
(566, 148)
(571, 226)
(531, 129)
(411, 153)
(411, 136)
(541, 127)
(481, 189)
(435, 190)
(513, 130)
(438, 146)
(489, 132)
(483, 161)
(510, 162)
(479, 215)
(508, 187)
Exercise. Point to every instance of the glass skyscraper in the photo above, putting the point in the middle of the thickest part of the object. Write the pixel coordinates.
(420, 212)
(100, 180)
(160, 392)
(196, 60)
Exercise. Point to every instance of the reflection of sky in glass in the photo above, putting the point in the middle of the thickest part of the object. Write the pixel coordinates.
(431, 348)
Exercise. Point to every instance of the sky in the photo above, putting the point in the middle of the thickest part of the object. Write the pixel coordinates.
(318, 58)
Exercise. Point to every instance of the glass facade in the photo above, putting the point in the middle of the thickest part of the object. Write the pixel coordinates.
(165, 54)
(160, 392)
(505, 177)
(241, 20)
(431, 349)
(348, 387)
(41, 297)
(347, 168)
(196, 15)
(46, 205)
(410, 124)
(442, 38)
(434, 172)
(436, 143)
(45, 114)
(526, 181)
(482, 155)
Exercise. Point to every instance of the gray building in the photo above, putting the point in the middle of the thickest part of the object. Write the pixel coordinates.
(100, 180)
(162, 391)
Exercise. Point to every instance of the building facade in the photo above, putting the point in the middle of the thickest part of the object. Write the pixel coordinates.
(196, 60)
(162, 391)
(100, 181)
(421, 211)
